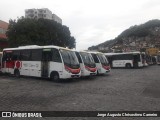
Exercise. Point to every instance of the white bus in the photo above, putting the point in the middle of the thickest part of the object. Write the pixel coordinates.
(0, 60)
(87, 64)
(102, 63)
(128, 60)
(149, 60)
(158, 58)
(144, 59)
(41, 61)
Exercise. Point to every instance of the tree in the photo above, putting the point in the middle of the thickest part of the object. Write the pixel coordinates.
(3, 43)
(26, 31)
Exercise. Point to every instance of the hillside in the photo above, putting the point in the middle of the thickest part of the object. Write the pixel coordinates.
(138, 37)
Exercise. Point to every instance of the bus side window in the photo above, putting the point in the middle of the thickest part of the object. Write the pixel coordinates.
(25, 55)
(56, 56)
(36, 55)
(15, 55)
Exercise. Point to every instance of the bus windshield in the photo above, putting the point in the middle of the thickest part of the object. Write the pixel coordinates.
(88, 60)
(69, 59)
(103, 59)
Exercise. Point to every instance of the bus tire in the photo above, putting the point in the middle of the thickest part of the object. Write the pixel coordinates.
(16, 73)
(55, 77)
(97, 73)
(128, 65)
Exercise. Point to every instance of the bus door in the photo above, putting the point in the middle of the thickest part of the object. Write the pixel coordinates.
(46, 58)
(7, 63)
(136, 59)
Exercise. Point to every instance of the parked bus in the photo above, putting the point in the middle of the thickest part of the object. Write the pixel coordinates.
(149, 60)
(144, 61)
(102, 63)
(87, 64)
(0, 60)
(154, 60)
(158, 58)
(128, 60)
(41, 61)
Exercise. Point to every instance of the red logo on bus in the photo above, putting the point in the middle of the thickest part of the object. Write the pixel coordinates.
(18, 64)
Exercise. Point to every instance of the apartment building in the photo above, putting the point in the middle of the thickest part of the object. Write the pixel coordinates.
(3, 29)
(56, 18)
(3, 37)
(44, 13)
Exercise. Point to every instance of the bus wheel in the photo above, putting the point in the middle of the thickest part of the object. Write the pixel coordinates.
(17, 73)
(128, 65)
(55, 77)
(97, 73)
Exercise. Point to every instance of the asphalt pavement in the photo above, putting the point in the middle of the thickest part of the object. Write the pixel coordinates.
(120, 90)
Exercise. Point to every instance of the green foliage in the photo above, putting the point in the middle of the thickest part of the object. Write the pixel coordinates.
(4, 41)
(39, 32)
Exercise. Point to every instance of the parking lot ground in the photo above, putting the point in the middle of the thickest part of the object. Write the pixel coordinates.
(120, 90)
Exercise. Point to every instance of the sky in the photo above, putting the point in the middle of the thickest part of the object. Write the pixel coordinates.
(91, 22)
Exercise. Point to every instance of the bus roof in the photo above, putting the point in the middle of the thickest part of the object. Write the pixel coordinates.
(109, 54)
(83, 51)
(94, 52)
(35, 47)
